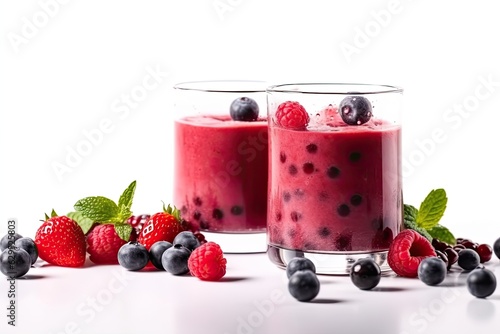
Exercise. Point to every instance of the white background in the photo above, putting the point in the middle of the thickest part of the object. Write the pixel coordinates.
(63, 78)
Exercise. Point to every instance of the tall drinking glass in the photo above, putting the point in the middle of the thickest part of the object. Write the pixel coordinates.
(335, 188)
(221, 161)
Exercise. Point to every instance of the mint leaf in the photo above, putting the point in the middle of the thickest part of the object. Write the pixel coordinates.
(98, 208)
(84, 222)
(123, 231)
(432, 209)
(442, 234)
(410, 212)
(126, 198)
(410, 225)
(125, 203)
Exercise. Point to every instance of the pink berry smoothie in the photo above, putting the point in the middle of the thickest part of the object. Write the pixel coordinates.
(221, 169)
(336, 188)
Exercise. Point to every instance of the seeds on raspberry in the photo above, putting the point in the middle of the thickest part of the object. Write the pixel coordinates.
(292, 115)
(207, 262)
(407, 251)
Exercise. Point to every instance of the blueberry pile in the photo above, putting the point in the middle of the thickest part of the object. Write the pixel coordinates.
(450, 254)
(303, 284)
(469, 256)
(17, 255)
(171, 257)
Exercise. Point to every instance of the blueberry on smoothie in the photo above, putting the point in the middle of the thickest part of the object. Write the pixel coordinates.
(356, 200)
(244, 109)
(312, 148)
(333, 172)
(236, 210)
(355, 110)
(343, 210)
(217, 214)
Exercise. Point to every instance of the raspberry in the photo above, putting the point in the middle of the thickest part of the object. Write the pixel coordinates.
(292, 115)
(207, 262)
(407, 250)
(104, 244)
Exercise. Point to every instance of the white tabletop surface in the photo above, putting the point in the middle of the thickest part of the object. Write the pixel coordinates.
(251, 298)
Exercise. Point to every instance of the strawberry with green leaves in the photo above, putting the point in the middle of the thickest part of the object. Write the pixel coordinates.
(60, 241)
(162, 226)
(105, 223)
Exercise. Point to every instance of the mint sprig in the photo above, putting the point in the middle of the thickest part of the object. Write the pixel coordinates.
(426, 219)
(100, 209)
(82, 221)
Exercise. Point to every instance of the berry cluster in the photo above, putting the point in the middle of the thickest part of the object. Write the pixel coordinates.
(353, 110)
(17, 255)
(183, 255)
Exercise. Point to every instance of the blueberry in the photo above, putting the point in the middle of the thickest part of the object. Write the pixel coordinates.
(481, 283)
(244, 109)
(9, 240)
(133, 256)
(237, 210)
(365, 274)
(333, 172)
(468, 259)
(355, 110)
(156, 251)
(343, 210)
(175, 259)
(29, 246)
(496, 248)
(187, 239)
(432, 270)
(299, 263)
(356, 200)
(217, 214)
(303, 285)
(15, 262)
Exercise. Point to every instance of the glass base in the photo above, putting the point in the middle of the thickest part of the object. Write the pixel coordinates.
(327, 263)
(239, 243)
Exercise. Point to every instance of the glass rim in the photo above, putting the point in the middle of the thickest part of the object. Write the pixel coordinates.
(368, 89)
(223, 86)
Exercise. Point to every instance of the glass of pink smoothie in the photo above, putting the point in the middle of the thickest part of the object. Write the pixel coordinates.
(221, 161)
(335, 188)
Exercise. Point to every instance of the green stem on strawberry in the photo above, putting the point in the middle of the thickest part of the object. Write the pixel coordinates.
(172, 211)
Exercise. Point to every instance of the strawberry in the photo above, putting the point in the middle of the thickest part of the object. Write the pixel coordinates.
(162, 226)
(103, 244)
(61, 242)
